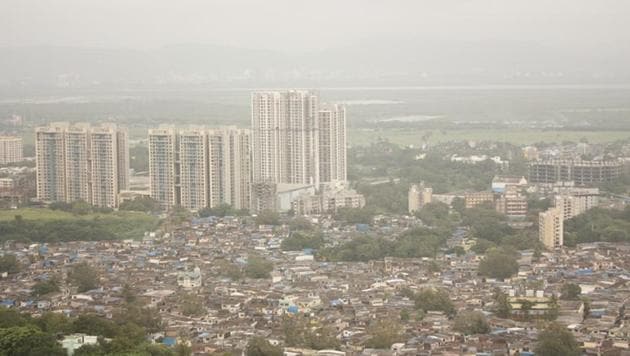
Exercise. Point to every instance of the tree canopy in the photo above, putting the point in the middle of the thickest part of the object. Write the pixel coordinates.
(301, 240)
(384, 333)
(416, 242)
(555, 340)
(570, 291)
(258, 346)
(429, 299)
(21, 334)
(470, 323)
(145, 204)
(499, 263)
(84, 277)
(9, 264)
(222, 210)
(598, 224)
(258, 267)
(267, 217)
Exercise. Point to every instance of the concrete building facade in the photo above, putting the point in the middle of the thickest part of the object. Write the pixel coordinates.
(193, 168)
(583, 173)
(295, 141)
(163, 173)
(10, 149)
(197, 168)
(109, 156)
(332, 144)
(575, 201)
(80, 162)
(285, 137)
(418, 196)
(473, 200)
(551, 228)
(512, 203)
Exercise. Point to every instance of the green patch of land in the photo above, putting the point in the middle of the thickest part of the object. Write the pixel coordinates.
(49, 214)
(46, 225)
(415, 137)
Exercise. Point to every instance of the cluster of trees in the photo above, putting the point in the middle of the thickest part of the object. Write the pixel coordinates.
(436, 214)
(144, 204)
(618, 186)
(300, 223)
(222, 210)
(267, 217)
(429, 299)
(499, 263)
(390, 197)
(570, 291)
(9, 264)
(502, 306)
(22, 334)
(418, 242)
(299, 333)
(384, 333)
(300, 240)
(192, 305)
(555, 340)
(355, 215)
(229, 269)
(84, 277)
(598, 224)
(47, 286)
(384, 159)
(79, 207)
(492, 230)
(257, 267)
(259, 346)
(28, 340)
(471, 323)
(99, 227)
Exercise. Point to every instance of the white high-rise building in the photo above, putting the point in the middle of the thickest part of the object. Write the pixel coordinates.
(575, 201)
(10, 149)
(418, 196)
(122, 139)
(294, 141)
(162, 170)
(50, 160)
(198, 168)
(285, 137)
(236, 168)
(109, 157)
(551, 228)
(80, 162)
(77, 163)
(332, 144)
(193, 168)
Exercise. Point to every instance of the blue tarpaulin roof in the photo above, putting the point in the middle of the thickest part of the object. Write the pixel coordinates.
(169, 341)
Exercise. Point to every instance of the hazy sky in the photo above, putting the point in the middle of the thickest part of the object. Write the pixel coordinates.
(307, 25)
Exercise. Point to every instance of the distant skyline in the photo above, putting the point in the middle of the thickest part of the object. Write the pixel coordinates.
(290, 25)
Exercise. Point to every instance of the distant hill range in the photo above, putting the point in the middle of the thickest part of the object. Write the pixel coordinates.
(391, 63)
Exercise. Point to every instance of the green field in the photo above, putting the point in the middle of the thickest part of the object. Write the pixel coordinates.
(362, 137)
(45, 225)
(48, 214)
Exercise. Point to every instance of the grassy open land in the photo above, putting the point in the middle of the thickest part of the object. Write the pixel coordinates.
(38, 214)
(56, 225)
(410, 136)
(49, 214)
